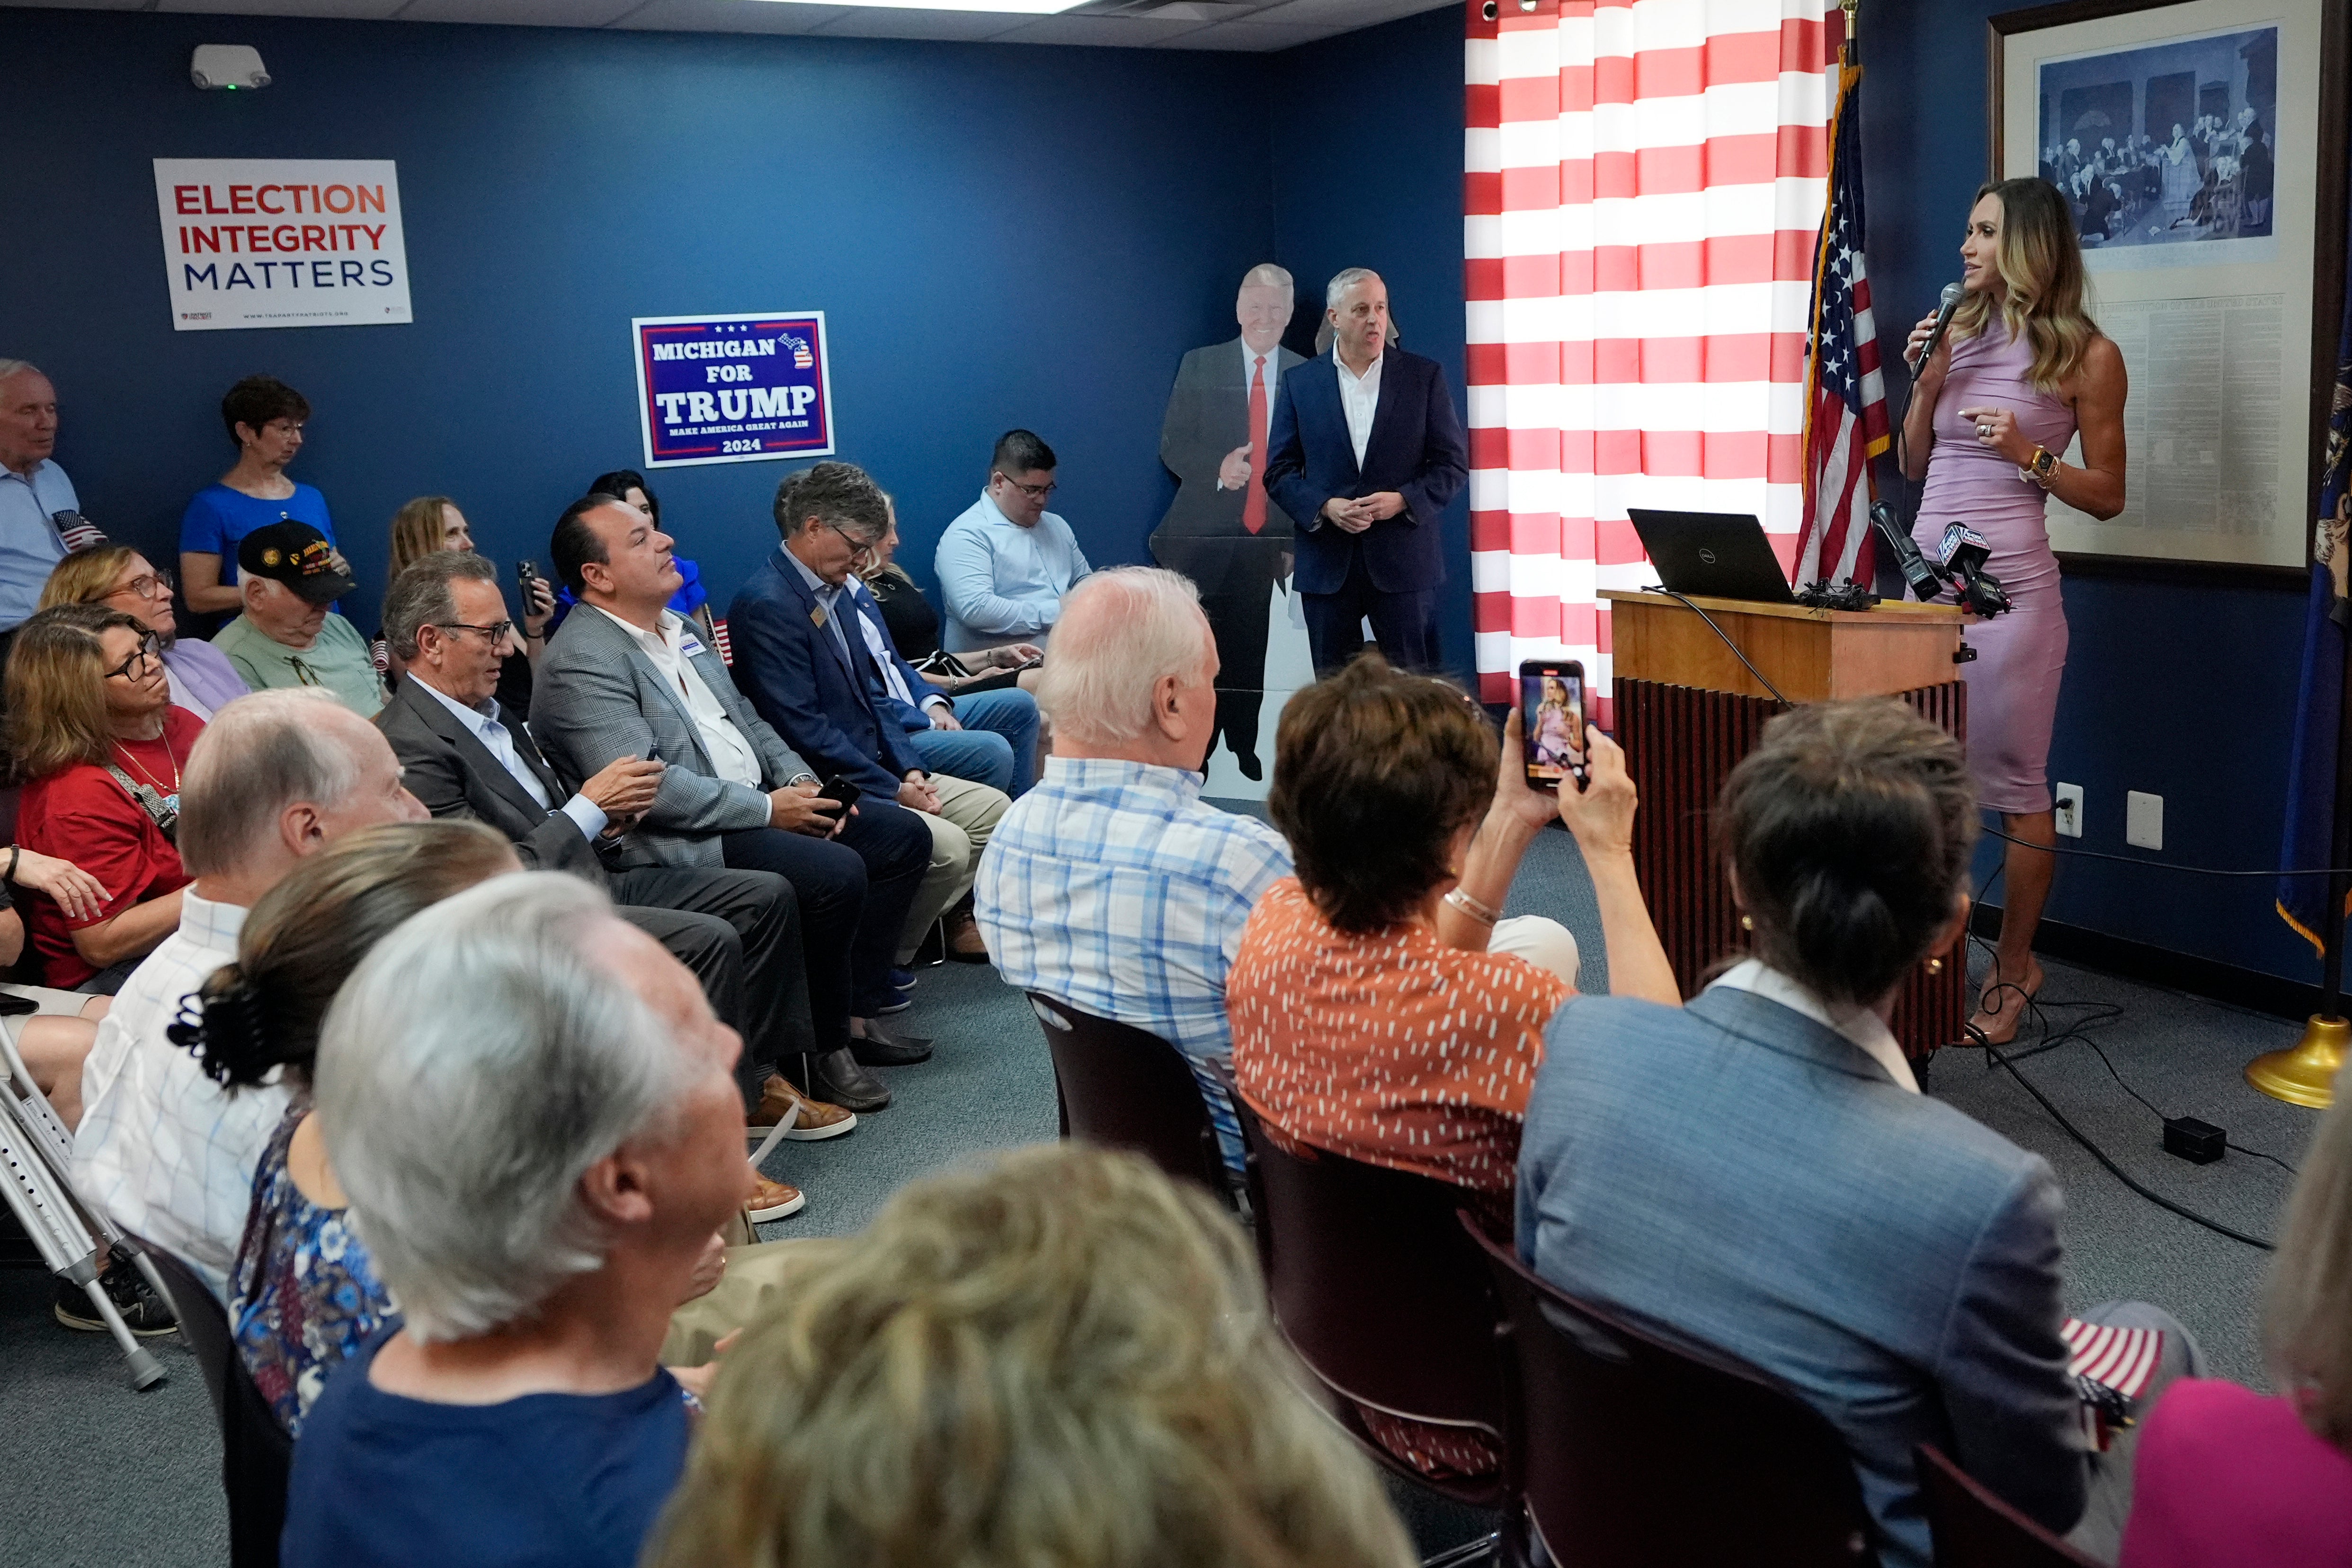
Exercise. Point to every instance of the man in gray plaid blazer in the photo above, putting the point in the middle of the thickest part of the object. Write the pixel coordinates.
(626, 676)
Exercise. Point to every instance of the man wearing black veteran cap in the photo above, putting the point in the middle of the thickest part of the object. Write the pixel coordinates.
(288, 574)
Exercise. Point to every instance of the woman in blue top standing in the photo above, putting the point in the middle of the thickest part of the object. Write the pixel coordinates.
(265, 418)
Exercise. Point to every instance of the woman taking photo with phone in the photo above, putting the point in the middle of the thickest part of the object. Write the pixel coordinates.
(2020, 371)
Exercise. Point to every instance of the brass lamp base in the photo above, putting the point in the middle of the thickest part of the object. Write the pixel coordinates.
(2307, 1074)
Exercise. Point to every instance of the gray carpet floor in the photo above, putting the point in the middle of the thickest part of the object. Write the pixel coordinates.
(93, 1475)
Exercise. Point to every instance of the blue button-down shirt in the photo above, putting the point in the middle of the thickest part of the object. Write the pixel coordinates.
(1112, 886)
(29, 545)
(1003, 582)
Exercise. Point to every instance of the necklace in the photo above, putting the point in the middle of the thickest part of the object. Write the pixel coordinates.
(169, 791)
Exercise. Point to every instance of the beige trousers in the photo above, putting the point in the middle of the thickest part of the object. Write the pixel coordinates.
(752, 1285)
(968, 814)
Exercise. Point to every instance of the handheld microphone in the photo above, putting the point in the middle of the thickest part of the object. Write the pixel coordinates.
(1924, 581)
(1949, 302)
(1963, 555)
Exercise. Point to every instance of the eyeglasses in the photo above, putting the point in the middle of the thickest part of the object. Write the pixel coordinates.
(861, 546)
(149, 652)
(147, 585)
(495, 631)
(1035, 492)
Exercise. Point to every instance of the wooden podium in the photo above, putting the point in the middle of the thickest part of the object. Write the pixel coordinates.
(1688, 710)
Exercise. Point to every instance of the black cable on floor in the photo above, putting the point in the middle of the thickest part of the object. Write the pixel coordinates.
(1992, 832)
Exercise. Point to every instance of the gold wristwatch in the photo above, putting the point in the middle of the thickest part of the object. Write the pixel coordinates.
(2040, 469)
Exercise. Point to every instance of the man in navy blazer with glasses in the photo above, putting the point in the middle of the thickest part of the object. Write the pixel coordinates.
(1365, 449)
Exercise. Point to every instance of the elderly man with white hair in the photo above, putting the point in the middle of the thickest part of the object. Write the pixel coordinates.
(533, 1112)
(38, 508)
(168, 1153)
(1112, 886)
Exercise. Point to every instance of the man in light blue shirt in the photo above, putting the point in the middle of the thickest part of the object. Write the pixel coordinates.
(1004, 565)
(1112, 886)
(33, 491)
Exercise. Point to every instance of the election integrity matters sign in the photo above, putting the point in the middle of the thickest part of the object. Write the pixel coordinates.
(733, 389)
(282, 242)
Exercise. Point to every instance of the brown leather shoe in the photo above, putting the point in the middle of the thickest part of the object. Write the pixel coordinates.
(772, 1200)
(964, 942)
(817, 1119)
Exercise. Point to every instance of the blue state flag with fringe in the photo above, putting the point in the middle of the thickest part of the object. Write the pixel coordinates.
(2311, 785)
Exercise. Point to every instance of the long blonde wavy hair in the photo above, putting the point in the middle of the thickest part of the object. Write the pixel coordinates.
(2307, 1305)
(1054, 1356)
(2042, 281)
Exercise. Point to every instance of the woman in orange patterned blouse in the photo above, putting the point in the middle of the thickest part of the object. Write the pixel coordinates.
(1375, 1011)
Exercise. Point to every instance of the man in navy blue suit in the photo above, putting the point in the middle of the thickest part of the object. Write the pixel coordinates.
(1365, 449)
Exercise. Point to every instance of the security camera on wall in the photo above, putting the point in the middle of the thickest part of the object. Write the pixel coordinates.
(227, 67)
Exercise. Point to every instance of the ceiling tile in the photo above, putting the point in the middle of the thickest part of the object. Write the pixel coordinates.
(890, 22)
(1335, 16)
(342, 10)
(1250, 36)
(771, 16)
(1114, 32)
(87, 4)
(518, 13)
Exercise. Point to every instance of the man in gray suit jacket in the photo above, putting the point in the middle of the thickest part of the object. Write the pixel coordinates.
(623, 676)
(739, 931)
(1222, 530)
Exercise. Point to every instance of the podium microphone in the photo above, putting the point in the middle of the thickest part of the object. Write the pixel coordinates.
(1924, 581)
(1963, 555)
(1949, 302)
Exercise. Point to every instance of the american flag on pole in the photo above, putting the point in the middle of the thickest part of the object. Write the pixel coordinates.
(1845, 401)
(1643, 199)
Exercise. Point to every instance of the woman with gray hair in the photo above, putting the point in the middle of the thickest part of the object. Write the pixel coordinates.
(533, 1115)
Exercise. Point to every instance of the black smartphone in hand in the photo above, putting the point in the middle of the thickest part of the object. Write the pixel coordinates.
(842, 789)
(1552, 721)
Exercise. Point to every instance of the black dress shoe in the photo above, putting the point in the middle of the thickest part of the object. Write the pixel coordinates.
(1252, 769)
(836, 1079)
(880, 1050)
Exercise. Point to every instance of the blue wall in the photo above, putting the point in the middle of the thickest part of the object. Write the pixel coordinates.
(1001, 234)
(2186, 692)
(1368, 172)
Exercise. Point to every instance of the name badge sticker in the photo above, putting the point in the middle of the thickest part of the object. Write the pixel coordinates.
(690, 644)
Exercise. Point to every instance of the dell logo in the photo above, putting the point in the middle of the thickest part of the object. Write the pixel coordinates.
(1707, 556)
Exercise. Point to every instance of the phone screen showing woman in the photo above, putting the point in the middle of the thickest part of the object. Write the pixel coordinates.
(1551, 721)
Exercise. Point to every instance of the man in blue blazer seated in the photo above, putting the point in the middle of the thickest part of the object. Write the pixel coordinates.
(1758, 1172)
(800, 656)
(1364, 452)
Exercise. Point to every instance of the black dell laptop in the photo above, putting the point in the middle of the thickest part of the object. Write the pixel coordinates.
(1713, 554)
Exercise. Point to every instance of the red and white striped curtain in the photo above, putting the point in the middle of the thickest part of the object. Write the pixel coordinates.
(1643, 187)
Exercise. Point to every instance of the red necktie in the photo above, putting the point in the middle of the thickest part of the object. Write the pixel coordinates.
(1254, 503)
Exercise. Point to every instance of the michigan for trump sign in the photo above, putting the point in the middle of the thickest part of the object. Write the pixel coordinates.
(282, 242)
(733, 389)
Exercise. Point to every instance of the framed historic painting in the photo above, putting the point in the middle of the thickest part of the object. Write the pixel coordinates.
(2201, 147)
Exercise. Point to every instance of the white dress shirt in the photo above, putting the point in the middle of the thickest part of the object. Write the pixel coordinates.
(166, 1152)
(484, 721)
(1360, 399)
(1865, 1028)
(731, 756)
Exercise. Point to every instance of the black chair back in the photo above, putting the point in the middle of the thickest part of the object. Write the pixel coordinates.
(1124, 1088)
(1972, 1528)
(1632, 1452)
(256, 1452)
(1378, 1291)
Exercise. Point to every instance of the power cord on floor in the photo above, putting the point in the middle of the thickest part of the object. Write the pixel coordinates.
(2034, 1009)
(2161, 864)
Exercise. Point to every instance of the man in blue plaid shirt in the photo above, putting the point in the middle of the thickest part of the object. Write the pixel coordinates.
(1112, 886)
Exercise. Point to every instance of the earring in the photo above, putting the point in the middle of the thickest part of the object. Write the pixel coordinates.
(1934, 966)
(1747, 924)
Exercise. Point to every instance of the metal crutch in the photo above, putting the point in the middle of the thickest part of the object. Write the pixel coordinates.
(39, 1153)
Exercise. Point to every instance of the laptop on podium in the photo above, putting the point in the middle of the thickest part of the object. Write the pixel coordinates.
(1712, 554)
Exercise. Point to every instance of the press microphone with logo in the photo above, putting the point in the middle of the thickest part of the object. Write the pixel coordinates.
(1963, 555)
(1949, 302)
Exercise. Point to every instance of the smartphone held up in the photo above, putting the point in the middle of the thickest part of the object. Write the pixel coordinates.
(1552, 721)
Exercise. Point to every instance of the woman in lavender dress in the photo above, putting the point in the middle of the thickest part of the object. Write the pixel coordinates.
(2021, 372)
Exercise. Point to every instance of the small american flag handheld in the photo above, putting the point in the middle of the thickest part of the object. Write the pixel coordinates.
(2111, 1368)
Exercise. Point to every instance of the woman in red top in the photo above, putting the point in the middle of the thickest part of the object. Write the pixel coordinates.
(2224, 1476)
(93, 731)
(1376, 1011)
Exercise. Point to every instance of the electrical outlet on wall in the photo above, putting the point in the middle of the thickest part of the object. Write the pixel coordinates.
(2067, 801)
(2143, 820)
